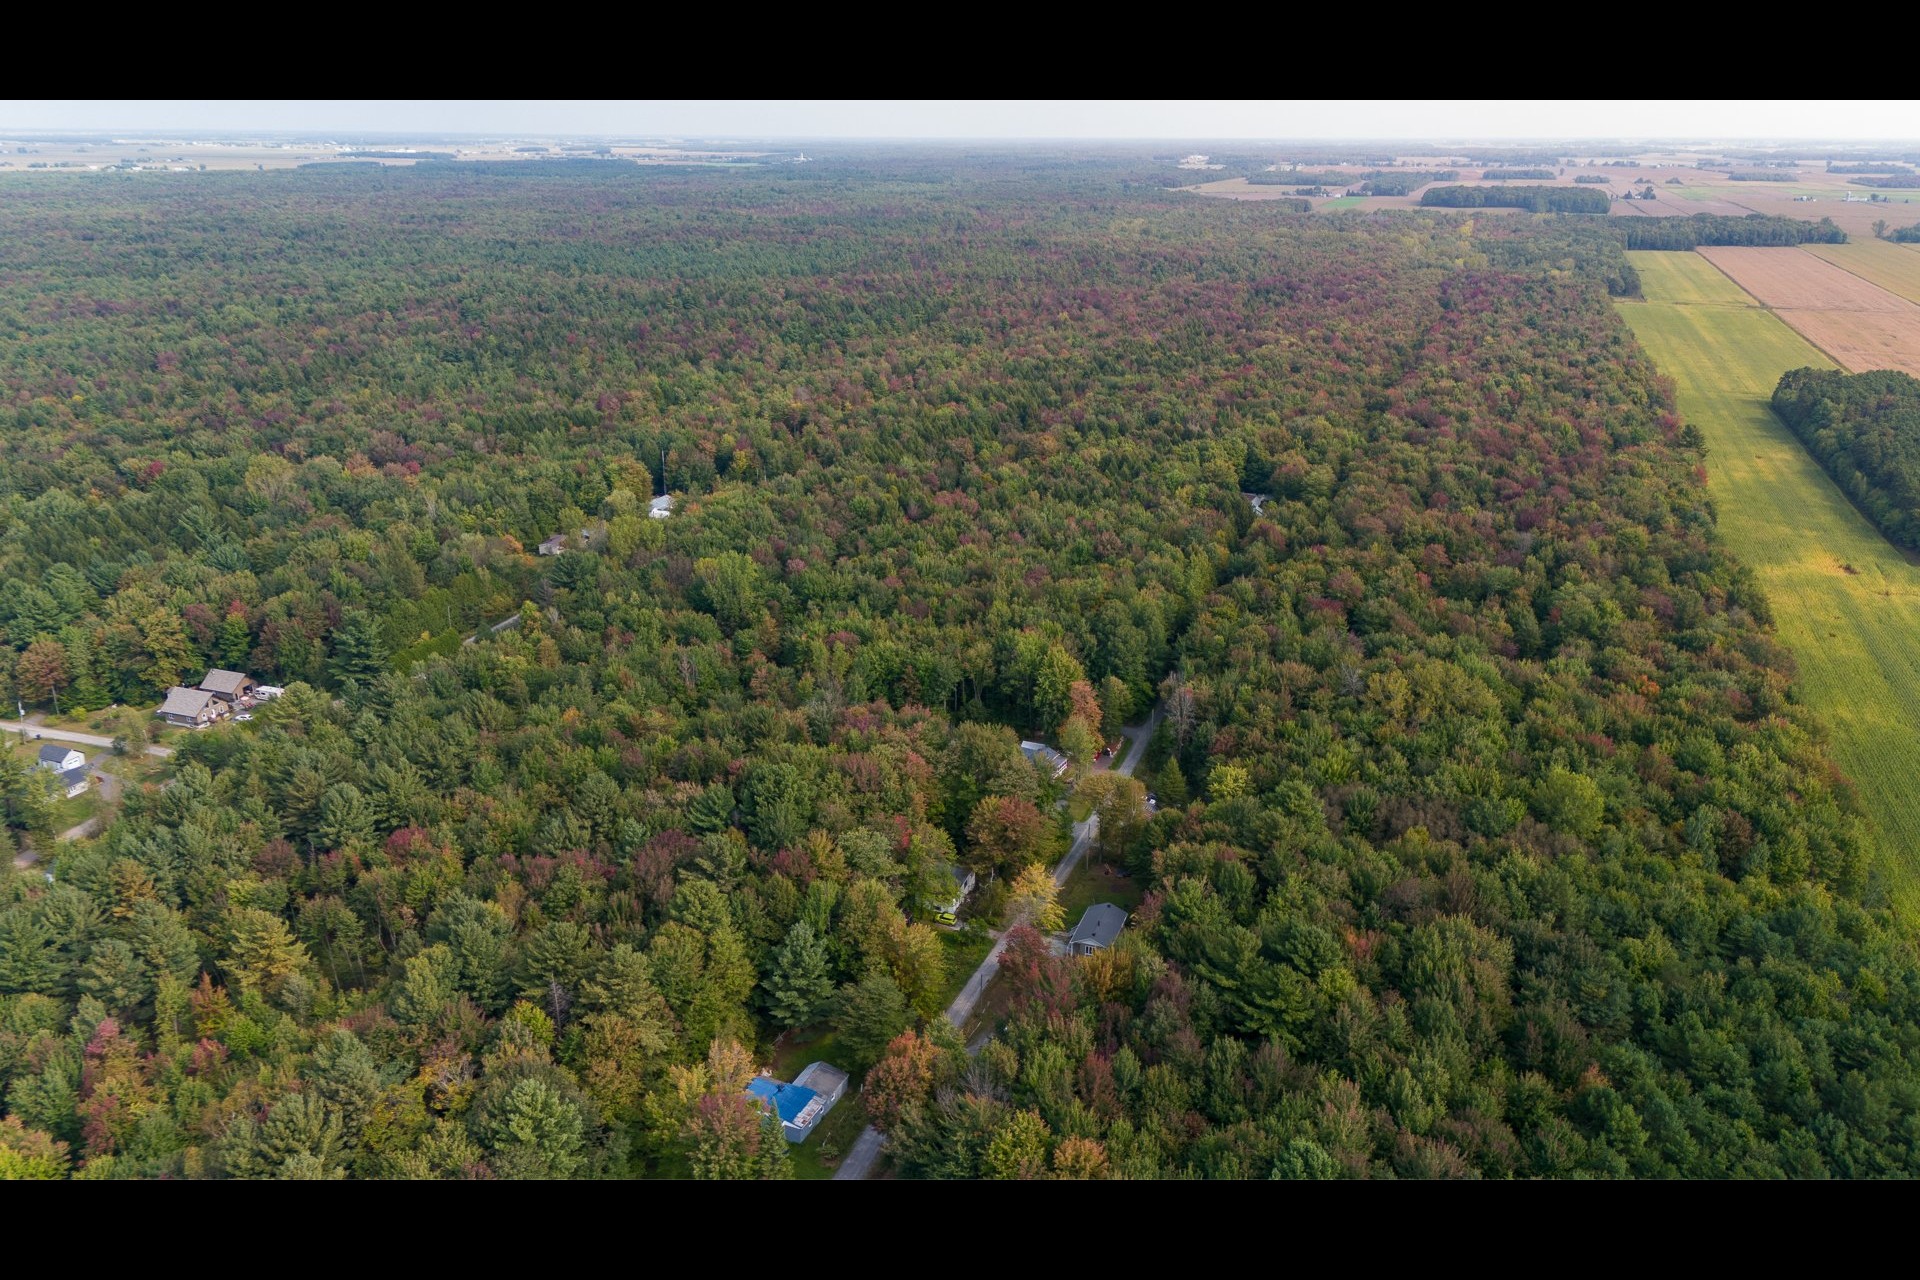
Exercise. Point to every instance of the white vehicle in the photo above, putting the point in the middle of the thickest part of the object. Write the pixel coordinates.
(267, 691)
(244, 715)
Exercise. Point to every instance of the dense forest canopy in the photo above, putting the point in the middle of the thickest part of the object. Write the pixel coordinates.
(1491, 841)
(1865, 430)
(1534, 199)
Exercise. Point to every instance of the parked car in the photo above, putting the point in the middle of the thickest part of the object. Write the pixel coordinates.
(244, 715)
(946, 917)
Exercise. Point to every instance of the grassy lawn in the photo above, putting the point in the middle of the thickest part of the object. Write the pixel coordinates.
(1090, 884)
(821, 1153)
(964, 954)
(1845, 601)
(72, 812)
(1341, 202)
(1894, 267)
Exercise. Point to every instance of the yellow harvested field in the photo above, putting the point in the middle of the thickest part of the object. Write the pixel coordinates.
(1857, 323)
(1895, 267)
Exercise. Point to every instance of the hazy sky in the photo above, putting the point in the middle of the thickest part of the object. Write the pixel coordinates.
(1361, 118)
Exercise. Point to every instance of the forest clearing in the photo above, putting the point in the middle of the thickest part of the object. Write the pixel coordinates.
(1845, 601)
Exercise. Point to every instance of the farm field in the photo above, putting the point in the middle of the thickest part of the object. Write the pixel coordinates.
(1845, 601)
(1856, 322)
(1891, 266)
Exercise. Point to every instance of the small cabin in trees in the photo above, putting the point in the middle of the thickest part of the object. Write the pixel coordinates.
(963, 882)
(1042, 754)
(554, 546)
(660, 508)
(1098, 929)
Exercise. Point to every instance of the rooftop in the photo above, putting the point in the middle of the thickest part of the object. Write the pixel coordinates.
(787, 1101)
(185, 702)
(51, 754)
(1099, 927)
(222, 681)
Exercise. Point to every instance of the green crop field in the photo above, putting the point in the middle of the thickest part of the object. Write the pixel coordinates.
(1845, 601)
(1894, 267)
(1687, 279)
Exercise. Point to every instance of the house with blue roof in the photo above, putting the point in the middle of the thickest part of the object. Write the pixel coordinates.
(802, 1104)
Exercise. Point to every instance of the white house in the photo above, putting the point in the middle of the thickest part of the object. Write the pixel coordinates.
(59, 758)
(75, 782)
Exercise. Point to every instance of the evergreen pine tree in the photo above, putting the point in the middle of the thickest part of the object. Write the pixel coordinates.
(800, 985)
(359, 654)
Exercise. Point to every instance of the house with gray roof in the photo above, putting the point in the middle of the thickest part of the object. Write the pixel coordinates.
(59, 757)
(1098, 929)
(75, 782)
(190, 708)
(228, 686)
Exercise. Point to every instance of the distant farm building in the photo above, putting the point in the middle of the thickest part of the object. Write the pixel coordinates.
(802, 1104)
(1098, 929)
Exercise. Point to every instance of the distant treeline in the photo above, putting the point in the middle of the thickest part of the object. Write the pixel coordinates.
(1405, 182)
(401, 155)
(1592, 179)
(1762, 175)
(1870, 166)
(1905, 235)
(1300, 178)
(1865, 430)
(1719, 229)
(1899, 180)
(1536, 199)
(1375, 182)
(1524, 175)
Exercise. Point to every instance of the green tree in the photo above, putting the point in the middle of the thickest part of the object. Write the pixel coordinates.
(537, 1133)
(799, 985)
(730, 584)
(871, 1013)
(359, 654)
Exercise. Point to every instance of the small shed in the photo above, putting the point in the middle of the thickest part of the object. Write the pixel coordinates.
(1098, 929)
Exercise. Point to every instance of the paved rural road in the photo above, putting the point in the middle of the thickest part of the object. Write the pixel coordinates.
(865, 1151)
(62, 735)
